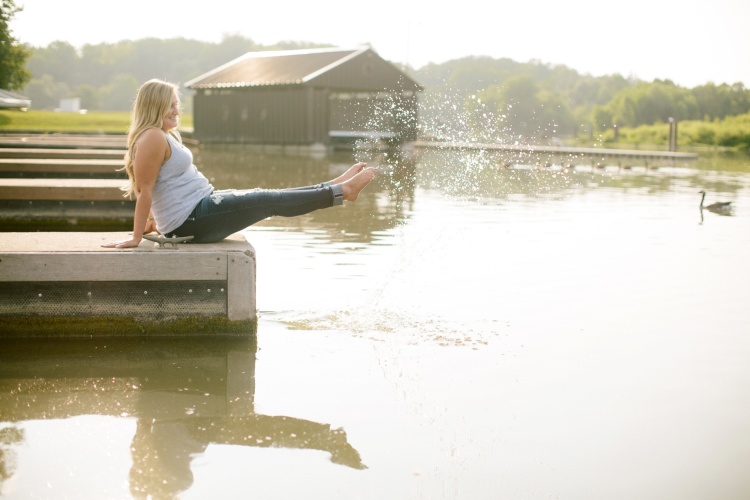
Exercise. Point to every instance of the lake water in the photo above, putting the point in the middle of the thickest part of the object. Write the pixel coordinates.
(463, 331)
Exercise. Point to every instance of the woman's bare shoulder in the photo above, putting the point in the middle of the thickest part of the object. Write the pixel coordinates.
(152, 134)
(152, 139)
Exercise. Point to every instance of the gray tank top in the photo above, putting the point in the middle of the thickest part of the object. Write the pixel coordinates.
(178, 189)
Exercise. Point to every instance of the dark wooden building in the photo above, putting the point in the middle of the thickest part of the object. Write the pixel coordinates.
(305, 97)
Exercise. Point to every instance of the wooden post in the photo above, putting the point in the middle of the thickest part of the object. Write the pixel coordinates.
(672, 134)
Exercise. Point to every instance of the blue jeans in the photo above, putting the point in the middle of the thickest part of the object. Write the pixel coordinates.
(227, 211)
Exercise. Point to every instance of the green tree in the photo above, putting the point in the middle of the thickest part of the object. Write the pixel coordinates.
(720, 101)
(516, 99)
(554, 117)
(59, 60)
(648, 103)
(13, 73)
(46, 92)
(120, 93)
(89, 96)
(602, 118)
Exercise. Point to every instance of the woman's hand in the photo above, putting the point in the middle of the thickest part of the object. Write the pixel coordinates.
(131, 243)
(150, 227)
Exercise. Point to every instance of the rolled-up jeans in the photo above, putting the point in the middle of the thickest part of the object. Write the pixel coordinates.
(225, 212)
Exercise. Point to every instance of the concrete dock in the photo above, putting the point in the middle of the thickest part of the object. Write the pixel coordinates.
(62, 140)
(56, 284)
(61, 168)
(62, 189)
(566, 156)
(52, 204)
(62, 153)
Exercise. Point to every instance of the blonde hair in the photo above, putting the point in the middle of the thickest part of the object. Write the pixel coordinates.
(152, 104)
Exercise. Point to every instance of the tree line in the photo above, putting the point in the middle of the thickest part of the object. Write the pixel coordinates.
(107, 76)
(530, 99)
(541, 100)
(471, 96)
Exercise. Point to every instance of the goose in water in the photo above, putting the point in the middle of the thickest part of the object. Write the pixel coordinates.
(720, 207)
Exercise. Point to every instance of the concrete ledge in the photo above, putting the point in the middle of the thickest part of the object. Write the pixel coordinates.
(43, 167)
(59, 153)
(66, 284)
(21, 216)
(59, 140)
(64, 205)
(62, 189)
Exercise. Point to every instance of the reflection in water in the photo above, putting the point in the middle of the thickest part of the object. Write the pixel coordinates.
(461, 174)
(9, 436)
(184, 394)
(568, 303)
(428, 223)
(719, 207)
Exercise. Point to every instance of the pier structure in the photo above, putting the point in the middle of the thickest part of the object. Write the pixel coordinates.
(66, 284)
(567, 157)
(49, 184)
(58, 204)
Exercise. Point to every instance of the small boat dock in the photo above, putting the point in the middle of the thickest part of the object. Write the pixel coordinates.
(53, 182)
(67, 284)
(58, 204)
(565, 156)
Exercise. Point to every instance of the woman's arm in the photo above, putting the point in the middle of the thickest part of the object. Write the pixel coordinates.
(151, 151)
(150, 226)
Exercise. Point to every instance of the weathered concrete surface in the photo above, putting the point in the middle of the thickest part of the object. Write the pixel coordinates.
(66, 284)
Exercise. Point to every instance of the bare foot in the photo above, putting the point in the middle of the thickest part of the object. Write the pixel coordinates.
(356, 184)
(351, 172)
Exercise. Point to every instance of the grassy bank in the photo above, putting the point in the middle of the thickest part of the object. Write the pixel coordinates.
(732, 132)
(101, 122)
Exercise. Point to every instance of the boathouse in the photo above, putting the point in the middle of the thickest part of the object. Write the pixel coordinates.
(305, 98)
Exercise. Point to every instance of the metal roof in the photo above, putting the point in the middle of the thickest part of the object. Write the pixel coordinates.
(285, 67)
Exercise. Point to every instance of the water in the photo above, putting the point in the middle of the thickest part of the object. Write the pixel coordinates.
(462, 331)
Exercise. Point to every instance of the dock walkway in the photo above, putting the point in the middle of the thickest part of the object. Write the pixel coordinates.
(56, 280)
(62, 189)
(67, 284)
(63, 183)
(565, 156)
(44, 204)
(63, 153)
(61, 168)
(60, 140)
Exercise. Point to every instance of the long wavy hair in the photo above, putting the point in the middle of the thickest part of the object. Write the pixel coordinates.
(151, 106)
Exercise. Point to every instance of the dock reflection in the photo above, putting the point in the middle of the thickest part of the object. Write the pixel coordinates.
(185, 394)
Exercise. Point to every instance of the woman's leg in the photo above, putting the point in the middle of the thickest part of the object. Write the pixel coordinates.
(351, 172)
(225, 212)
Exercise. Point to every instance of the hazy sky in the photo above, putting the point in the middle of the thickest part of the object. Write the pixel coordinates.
(688, 41)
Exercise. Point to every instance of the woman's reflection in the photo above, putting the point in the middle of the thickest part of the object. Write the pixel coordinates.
(185, 394)
(163, 450)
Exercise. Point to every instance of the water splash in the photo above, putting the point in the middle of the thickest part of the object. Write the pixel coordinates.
(477, 150)
(388, 325)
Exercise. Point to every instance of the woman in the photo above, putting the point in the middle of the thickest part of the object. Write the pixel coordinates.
(175, 199)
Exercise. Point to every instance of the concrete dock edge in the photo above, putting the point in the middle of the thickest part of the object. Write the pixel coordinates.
(55, 284)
